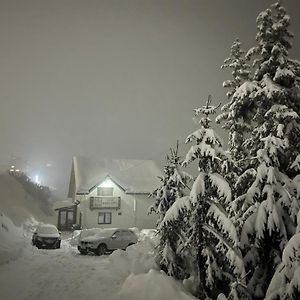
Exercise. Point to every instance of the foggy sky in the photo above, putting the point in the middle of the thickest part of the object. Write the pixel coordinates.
(112, 78)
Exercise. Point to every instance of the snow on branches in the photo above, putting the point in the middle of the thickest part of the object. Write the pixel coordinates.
(211, 236)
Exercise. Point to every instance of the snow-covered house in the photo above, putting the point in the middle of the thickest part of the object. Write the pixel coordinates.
(110, 193)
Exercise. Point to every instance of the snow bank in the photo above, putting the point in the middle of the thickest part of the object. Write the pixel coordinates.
(15, 241)
(74, 238)
(147, 233)
(138, 258)
(154, 285)
(140, 275)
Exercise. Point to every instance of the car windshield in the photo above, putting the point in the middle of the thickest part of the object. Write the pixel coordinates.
(47, 229)
(106, 232)
(97, 232)
(89, 232)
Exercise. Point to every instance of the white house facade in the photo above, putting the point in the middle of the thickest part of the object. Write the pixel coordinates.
(110, 193)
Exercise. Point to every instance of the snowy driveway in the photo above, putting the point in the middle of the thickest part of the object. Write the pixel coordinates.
(57, 274)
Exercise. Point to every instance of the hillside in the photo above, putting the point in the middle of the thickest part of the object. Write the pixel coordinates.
(19, 205)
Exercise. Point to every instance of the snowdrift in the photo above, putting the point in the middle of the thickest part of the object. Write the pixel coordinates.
(19, 214)
(140, 275)
(135, 272)
(154, 285)
(15, 241)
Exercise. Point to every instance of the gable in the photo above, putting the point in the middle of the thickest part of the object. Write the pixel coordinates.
(101, 183)
(132, 176)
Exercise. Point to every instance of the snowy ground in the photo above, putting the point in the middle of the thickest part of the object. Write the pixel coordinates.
(56, 274)
(27, 273)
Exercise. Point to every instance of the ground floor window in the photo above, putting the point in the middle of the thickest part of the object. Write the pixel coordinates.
(104, 218)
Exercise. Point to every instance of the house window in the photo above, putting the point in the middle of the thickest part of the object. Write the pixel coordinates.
(104, 218)
(105, 191)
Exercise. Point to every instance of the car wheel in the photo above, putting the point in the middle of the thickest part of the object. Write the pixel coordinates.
(101, 250)
(58, 246)
(83, 252)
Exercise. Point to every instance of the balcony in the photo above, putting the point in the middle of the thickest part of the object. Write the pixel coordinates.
(105, 202)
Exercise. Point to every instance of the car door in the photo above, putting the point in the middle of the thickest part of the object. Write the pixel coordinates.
(116, 240)
(128, 238)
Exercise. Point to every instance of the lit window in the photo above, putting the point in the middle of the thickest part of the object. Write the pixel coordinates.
(104, 218)
(105, 191)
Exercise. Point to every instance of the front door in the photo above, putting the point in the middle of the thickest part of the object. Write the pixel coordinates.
(66, 218)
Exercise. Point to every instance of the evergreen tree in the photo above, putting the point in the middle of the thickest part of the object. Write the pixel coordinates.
(268, 223)
(211, 238)
(266, 202)
(278, 78)
(285, 283)
(234, 121)
(237, 117)
(172, 187)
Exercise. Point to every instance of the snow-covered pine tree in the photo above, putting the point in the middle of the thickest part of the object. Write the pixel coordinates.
(173, 185)
(234, 121)
(285, 283)
(278, 77)
(236, 116)
(211, 236)
(268, 222)
(270, 204)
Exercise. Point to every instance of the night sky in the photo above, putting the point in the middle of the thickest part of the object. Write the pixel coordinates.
(112, 78)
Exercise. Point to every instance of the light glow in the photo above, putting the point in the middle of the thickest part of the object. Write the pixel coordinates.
(107, 183)
(37, 179)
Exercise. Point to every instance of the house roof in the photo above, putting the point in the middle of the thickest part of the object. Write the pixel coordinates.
(133, 176)
(62, 204)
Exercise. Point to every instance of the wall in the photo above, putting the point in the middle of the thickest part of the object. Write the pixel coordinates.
(129, 215)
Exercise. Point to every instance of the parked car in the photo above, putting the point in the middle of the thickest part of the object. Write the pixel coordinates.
(46, 236)
(100, 241)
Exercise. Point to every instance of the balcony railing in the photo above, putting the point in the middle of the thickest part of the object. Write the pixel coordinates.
(105, 202)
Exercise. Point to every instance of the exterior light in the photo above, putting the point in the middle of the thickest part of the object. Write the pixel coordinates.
(107, 183)
(37, 180)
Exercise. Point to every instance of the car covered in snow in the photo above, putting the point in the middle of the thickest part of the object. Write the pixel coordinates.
(46, 236)
(100, 241)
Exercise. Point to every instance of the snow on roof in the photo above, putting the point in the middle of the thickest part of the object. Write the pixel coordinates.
(61, 204)
(133, 176)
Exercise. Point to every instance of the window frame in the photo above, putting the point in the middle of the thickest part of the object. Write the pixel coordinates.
(104, 214)
(101, 189)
